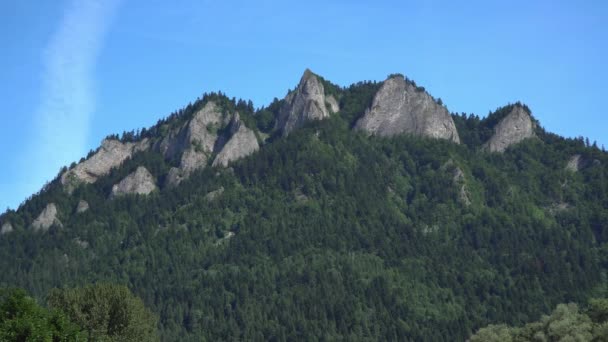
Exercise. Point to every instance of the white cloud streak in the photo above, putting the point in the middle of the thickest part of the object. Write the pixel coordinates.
(62, 121)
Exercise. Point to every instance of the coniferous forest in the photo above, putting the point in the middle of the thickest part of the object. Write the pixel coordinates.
(331, 234)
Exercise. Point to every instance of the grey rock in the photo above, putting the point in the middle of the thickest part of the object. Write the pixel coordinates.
(305, 103)
(211, 196)
(199, 133)
(82, 206)
(139, 182)
(47, 218)
(576, 163)
(7, 227)
(195, 141)
(242, 143)
(333, 103)
(174, 177)
(111, 154)
(398, 108)
(512, 129)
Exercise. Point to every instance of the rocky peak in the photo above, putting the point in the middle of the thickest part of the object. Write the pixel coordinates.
(195, 141)
(307, 102)
(112, 153)
(400, 107)
(139, 182)
(7, 227)
(47, 218)
(512, 129)
(199, 132)
(242, 142)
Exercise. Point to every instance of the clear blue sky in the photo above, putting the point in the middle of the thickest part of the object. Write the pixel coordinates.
(74, 71)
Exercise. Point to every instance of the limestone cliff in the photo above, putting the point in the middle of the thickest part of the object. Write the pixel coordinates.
(307, 102)
(111, 154)
(195, 141)
(242, 142)
(47, 218)
(400, 107)
(139, 182)
(512, 129)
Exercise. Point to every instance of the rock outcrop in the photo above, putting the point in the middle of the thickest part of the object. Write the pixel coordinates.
(47, 218)
(333, 104)
(211, 196)
(195, 141)
(400, 107)
(242, 142)
(82, 206)
(139, 182)
(7, 227)
(111, 154)
(198, 136)
(576, 163)
(512, 129)
(307, 102)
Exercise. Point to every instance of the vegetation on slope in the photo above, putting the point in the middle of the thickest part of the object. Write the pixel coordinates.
(330, 234)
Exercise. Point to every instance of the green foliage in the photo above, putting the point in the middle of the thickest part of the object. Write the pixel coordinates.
(566, 323)
(333, 235)
(22, 319)
(106, 312)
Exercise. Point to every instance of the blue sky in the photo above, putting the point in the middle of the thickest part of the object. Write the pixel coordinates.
(74, 71)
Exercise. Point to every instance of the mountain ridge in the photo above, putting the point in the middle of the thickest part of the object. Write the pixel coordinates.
(310, 97)
(328, 232)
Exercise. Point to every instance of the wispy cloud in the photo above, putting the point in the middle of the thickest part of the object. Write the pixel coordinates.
(62, 120)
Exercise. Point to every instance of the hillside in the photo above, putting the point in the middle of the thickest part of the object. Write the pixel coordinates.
(366, 212)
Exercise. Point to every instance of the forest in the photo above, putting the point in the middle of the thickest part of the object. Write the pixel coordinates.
(331, 234)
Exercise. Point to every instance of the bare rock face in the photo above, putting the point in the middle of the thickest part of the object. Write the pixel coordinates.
(576, 163)
(195, 140)
(400, 108)
(82, 206)
(512, 129)
(242, 143)
(7, 227)
(307, 102)
(174, 177)
(47, 218)
(214, 194)
(111, 154)
(139, 182)
(333, 104)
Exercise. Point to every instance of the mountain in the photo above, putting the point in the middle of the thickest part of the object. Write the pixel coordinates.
(401, 107)
(367, 212)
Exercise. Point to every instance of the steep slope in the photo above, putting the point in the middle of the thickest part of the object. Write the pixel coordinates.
(399, 107)
(111, 153)
(307, 102)
(242, 143)
(324, 234)
(139, 182)
(512, 129)
(47, 218)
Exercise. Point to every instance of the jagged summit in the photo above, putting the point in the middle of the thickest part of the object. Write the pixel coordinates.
(307, 102)
(511, 129)
(400, 107)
